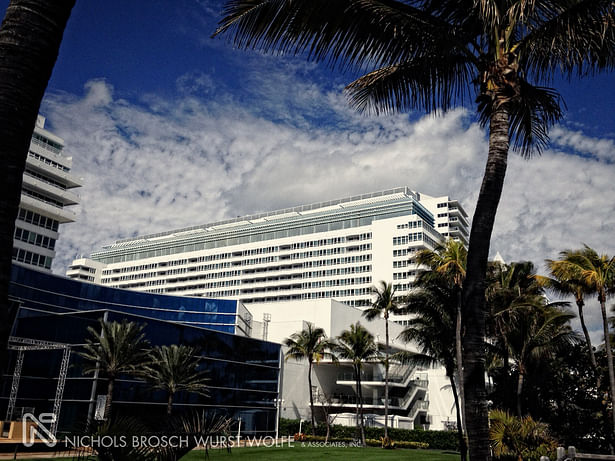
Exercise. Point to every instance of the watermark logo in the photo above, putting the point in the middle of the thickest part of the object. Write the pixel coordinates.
(38, 429)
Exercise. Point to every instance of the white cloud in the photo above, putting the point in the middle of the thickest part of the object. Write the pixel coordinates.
(162, 164)
(603, 149)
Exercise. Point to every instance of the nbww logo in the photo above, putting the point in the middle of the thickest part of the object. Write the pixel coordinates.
(38, 429)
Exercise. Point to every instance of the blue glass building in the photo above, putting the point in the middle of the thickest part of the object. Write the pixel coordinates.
(243, 371)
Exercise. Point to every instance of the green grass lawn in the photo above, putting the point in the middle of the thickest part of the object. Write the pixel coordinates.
(306, 453)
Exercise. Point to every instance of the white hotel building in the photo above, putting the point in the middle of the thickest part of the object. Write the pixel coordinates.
(46, 195)
(306, 264)
(334, 250)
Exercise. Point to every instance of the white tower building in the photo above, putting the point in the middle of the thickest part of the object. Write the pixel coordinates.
(45, 195)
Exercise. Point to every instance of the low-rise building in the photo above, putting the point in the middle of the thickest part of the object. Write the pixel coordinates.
(417, 397)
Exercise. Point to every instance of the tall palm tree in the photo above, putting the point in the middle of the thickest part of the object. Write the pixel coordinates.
(449, 260)
(538, 331)
(433, 306)
(119, 348)
(432, 55)
(384, 305)
(510, 288)
(174, 369)
(565, 280)
(30, 39)
(312, 344)
(598, 273)
(357, 345)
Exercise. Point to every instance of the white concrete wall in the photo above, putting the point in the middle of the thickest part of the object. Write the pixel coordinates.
(295, 390)
(441, 401)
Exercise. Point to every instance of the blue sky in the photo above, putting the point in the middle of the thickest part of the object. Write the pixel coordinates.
(170, 128)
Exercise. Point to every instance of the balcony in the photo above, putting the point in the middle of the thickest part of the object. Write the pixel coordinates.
(62, 195)
(53, 172)
(351, 400)
(399, 376)
(395, 403)
(62, 215)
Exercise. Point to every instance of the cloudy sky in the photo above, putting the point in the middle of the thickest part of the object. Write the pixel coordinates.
(169, 128)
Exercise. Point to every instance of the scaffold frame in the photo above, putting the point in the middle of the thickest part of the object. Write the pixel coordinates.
(27, 344)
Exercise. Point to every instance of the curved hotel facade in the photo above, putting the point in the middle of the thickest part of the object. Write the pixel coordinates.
(244, 372)
(336, 249)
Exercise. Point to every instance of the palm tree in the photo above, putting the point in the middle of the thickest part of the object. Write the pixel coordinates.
(539, 330)
(511, 288)
(433, 307)
(30, 39)
(597, 272)
(384, 305)
(174, 369)
(119, 348)
(357, 345)
(310, 343)
(450, 260)
(565, 280)
(431, 55)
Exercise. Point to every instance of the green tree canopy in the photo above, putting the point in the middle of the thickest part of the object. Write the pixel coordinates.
(174, 369)
(118, 348)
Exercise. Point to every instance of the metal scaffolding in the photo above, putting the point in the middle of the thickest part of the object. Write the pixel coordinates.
(26, 344)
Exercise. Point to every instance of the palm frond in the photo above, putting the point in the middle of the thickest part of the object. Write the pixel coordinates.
(174, 368)
(531, 114)
(119, 347)
(345, 33)
(415, 359)
(434, 81)
(572, 36)
(311, 343)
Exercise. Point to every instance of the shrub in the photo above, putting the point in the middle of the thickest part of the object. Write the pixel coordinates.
(515, 438)
(387, 442)
(395, 444)
(439, 440)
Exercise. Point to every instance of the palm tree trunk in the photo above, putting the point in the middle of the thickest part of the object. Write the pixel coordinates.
(360, 396)
(29, 43)
(109, 398)
(386, 380)
(459, 358)
(462, 440)
(311, 397)
(473, 315)
(169, 404)
(588, 341)
(357, 383)
(609, 354)
(520, 392)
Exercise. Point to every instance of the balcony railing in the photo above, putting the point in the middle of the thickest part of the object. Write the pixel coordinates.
(419, 405)
(346, 399)
(398, 374)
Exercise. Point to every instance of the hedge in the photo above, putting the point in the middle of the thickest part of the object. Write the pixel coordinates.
(368, 442)
(439, 440)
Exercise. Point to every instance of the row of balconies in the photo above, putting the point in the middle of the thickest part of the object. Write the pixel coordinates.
(395, 403)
